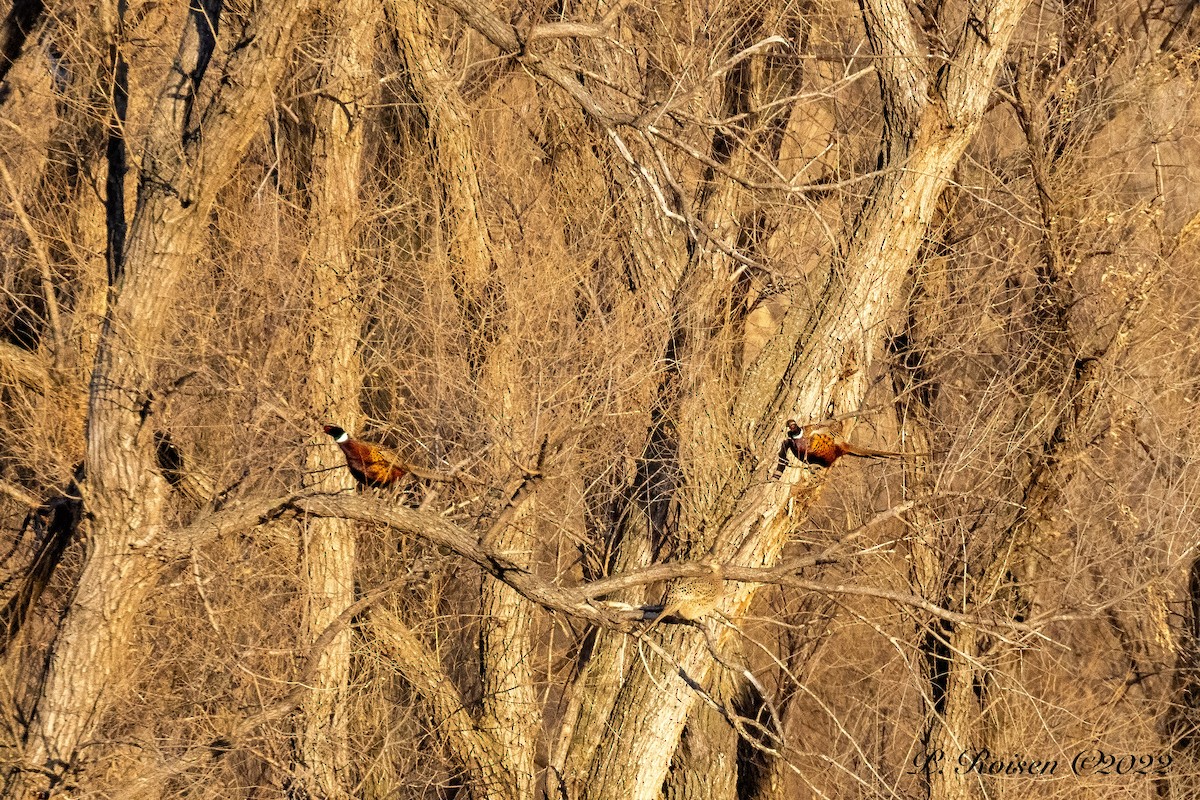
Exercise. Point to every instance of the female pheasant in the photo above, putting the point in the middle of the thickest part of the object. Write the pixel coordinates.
(692, 598)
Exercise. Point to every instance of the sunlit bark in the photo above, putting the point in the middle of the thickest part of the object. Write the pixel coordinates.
(323, 760)
(125, 494)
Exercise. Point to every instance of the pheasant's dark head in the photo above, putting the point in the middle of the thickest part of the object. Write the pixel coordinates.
(336, 432)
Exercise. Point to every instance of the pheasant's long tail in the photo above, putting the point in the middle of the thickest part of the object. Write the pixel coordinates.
(668, 610)
(428, 475)
(867, 452)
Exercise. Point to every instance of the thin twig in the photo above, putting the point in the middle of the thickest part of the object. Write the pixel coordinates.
(43, 260)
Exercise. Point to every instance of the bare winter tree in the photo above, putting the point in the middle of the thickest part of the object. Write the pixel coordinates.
(328, 545)
(190, 151)
(577, 266)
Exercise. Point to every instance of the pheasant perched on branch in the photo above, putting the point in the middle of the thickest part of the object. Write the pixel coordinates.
(370, 464)
(691, 598)
(374, 465)
(823, 444)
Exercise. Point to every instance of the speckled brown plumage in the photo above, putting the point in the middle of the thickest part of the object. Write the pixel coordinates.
(692, 598)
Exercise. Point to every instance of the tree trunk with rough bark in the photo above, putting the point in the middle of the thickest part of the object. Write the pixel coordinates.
(510, 709)
(125, 493)
(323, 758)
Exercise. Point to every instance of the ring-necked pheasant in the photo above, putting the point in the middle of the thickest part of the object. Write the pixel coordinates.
(823, 444)
(691, 598)
(370, 464)
(374, 465)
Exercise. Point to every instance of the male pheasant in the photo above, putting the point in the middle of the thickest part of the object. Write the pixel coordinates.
(370, 464)
(823, 444)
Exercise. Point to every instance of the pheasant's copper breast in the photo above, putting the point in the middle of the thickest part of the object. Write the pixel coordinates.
(370, 464)
(820, 447)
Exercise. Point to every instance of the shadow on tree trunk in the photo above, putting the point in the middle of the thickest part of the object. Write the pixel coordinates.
(54, 525)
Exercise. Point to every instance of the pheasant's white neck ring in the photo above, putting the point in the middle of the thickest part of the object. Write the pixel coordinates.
(345, 437)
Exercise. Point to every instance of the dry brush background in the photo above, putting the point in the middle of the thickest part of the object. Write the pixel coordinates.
(585, 259)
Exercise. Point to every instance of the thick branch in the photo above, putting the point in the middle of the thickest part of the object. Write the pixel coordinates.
(477, 750)
(575, 601)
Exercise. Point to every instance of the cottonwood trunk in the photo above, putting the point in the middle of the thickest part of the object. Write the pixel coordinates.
(125, 493)
(510, 709)
(951, 706)
(451, 153)
(477, 750)
(323, 758)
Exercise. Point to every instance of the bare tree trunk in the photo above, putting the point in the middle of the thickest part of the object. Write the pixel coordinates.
(468, 245)
(510, 706)
(125, 493)
(71, 244)
(928, 125)
(322, 743)
(512, 712)
(478, 750)
(760, 91)
(951, 707)
(705, 766)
